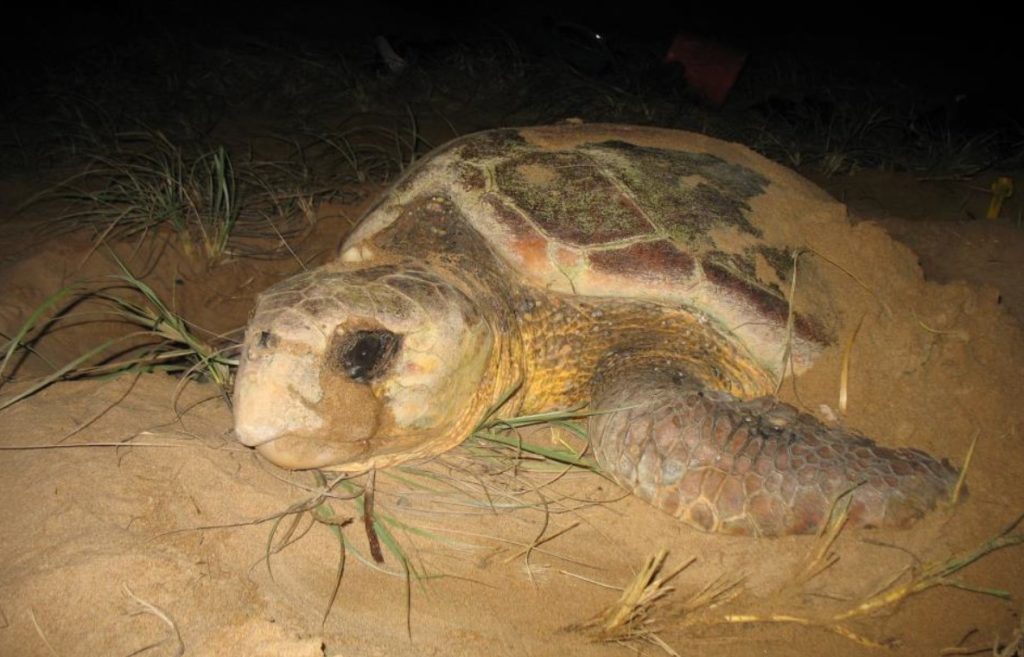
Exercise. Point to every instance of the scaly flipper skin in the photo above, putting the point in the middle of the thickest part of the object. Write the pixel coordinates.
(759, 467)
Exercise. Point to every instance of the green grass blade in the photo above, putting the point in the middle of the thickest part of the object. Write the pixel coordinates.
(31, 323)
(56, 376)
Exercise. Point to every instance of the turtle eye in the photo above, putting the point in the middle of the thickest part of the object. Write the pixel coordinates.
(364, 355)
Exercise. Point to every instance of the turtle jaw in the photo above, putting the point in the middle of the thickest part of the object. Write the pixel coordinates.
(297, 452)
(283, 410)
(265, 409)
(292, 407)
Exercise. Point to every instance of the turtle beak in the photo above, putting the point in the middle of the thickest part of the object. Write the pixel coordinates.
(275, 395)
(296, 412)
(274, 410)
(296, 452)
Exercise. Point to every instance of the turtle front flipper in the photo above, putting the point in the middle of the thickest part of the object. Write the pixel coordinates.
(757, 467)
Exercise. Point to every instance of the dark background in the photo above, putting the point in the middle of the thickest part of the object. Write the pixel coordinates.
(934, 73)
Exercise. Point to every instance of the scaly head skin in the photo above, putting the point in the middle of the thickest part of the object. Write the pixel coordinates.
(353, 366)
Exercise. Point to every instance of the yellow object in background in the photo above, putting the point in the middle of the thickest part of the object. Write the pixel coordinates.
(1002, 189)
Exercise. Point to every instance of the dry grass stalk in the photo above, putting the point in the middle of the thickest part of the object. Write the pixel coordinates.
(787, 352)
(835, 628)
(893, 593)
(959, 334)
(537, 542)
(630, 619)
(954, 496)
(881, 302)
(41, 634)
(1012, 648)
(937, 573)
(821, 558)
(719, 592)
(844, 373)
(149, 608)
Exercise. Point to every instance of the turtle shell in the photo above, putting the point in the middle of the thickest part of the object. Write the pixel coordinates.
(642, 213)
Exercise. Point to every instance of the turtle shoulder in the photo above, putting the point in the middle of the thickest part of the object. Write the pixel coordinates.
(633, 212)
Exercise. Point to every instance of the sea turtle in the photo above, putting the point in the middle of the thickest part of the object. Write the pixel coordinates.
(641, 271)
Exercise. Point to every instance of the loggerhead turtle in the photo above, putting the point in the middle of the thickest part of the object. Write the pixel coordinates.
(635, 269)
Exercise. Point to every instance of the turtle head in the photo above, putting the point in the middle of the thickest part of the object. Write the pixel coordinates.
(350, 368)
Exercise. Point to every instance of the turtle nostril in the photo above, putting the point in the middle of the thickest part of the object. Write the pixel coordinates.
(266, 340)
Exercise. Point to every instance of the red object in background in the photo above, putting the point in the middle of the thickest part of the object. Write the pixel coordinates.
(709, 67)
